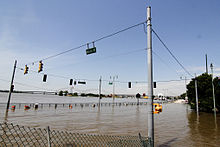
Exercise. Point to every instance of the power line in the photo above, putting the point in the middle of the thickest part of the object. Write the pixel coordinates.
(83, 45)
(64, 77)
(171, 53)
(111, 56)
(27, 85)
(42, 73)
(110, 35)
(93, 80)
(145, 82)
(164, 62)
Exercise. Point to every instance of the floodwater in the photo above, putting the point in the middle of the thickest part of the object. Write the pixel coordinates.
(177, 125)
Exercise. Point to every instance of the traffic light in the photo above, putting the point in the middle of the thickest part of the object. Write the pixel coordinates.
(71, 81)
(129, 84)
(155, 85)
(26, 69)
(40, 66)
(45, 78)
(12, 88)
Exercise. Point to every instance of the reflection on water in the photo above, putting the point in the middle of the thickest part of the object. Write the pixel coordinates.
(204, 129)
(177, 125)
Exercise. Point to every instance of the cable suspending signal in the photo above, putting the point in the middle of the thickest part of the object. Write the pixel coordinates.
(92, 80)
(92, 42)
(164, 62)
(171, 53)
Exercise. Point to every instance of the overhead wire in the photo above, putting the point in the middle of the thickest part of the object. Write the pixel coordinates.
(64, 77)
(107, 36)
(175, 58)
(94, 80)
(106, 57)
(42, 73)
(83, 45)
(27, 85)
(164, 62)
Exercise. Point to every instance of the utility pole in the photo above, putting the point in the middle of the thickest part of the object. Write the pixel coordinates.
(213, 90)
(206, 63)
(11, 86)
(197, 102)
(150, 80)
(113, 82)
(100, 83)
(186, 98)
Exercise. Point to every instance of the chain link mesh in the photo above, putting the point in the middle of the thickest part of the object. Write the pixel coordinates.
(15, 135)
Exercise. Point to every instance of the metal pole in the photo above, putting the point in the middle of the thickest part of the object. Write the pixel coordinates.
(213, 90)
(150, 80)
(206, 63)
(113, 82)
(100, 82)
(186, 98)
(197, 102)
(48, 136)
(113, 94)
(12, 79)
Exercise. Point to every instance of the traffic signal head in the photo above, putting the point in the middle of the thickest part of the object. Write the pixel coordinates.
(129, 84)
(71, 81)
(26, 69)
(155, 85)
(45, 78)
(40, 66)
(12, 88)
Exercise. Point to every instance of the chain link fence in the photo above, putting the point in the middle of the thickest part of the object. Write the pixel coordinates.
(15, 135)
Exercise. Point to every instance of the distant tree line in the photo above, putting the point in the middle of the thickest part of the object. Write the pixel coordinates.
(66, 93)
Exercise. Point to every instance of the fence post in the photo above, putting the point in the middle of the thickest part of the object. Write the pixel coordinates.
(48, 136)
(142, 142)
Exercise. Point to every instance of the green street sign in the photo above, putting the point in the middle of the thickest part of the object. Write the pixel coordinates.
(81, 82)
(110, 83)
(91, 50)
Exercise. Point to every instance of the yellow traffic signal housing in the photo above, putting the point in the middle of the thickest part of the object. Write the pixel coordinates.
(26, 69)
(40, 66)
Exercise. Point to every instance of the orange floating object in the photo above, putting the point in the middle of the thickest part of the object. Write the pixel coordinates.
(26, 107)
(158, 108)
(13, 107)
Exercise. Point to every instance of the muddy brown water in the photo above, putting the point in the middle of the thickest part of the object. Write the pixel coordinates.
(177, 125)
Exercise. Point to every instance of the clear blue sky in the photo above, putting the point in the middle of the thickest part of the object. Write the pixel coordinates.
(32, 30)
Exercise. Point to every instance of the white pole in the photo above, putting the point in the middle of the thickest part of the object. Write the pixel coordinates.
(197, 102)
(150, 80)
(213, 90)
(186, 98)
(100, 83)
